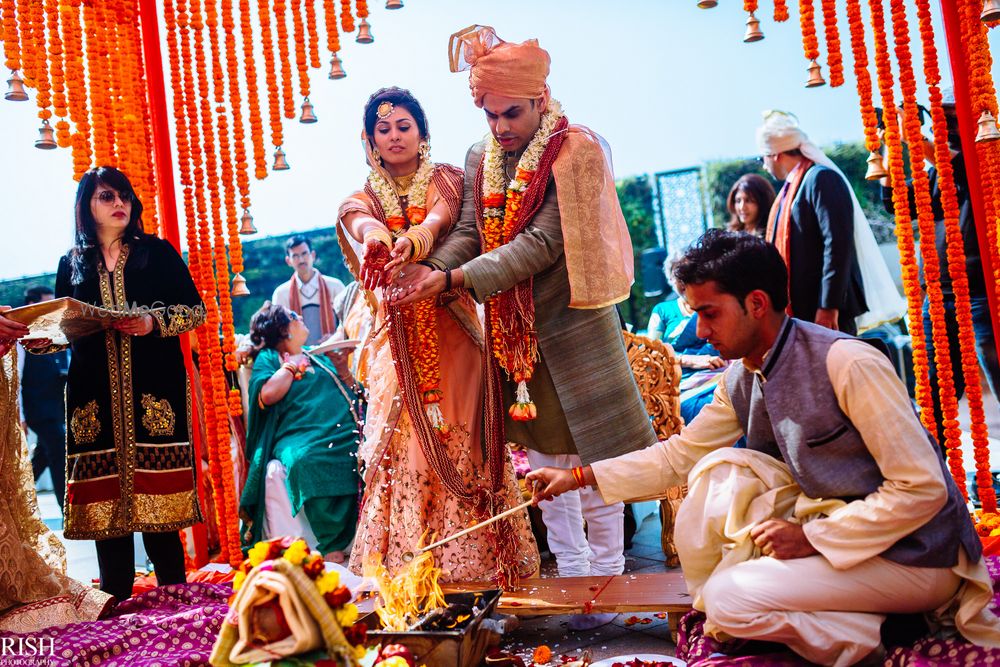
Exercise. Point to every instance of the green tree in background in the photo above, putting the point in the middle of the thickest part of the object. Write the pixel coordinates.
(636, 197)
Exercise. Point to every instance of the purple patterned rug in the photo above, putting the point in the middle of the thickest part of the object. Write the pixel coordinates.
(702, 651)
(173, 626)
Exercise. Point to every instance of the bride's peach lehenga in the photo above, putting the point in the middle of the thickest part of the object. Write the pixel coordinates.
(404, 495)
(35, 592)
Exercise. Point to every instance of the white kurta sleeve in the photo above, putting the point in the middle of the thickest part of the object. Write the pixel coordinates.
(656, 468)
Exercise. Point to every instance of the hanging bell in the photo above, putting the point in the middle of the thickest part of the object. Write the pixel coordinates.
(393, 4)
(46, 139)
(707, 4)
(336, 68)
(364, 33)
(987, 128)
(239, 286)
(991, 11)
(753, 33)
(280, 163)
(246, 223)
(815, 75)
(15, 88)
(876, 169)
(307, 112)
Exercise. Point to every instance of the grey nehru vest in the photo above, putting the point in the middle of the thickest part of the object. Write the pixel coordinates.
(790, 411)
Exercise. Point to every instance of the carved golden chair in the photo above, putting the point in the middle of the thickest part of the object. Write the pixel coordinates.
(657, 371)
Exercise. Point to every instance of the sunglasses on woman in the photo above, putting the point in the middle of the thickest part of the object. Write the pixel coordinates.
(108, 197)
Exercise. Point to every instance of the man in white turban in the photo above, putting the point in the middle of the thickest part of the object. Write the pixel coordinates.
(837, 276)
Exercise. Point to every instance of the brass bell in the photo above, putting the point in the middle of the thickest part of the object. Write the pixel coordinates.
(364, 33)
(336, 68)
(307, 112)
(246, 223)
(987, 128)
(393, 4)
(876, 169)
(239, 286)
(753, 33)
(815, 75)
(280, 163)
(707, 4)
(991, 11)
(15, 88)
(46, 139)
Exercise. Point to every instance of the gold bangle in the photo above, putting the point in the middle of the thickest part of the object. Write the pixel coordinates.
(379, 234)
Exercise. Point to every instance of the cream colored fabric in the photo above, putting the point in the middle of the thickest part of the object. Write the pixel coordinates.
(35, 592)
(595, 236)
(261, 587)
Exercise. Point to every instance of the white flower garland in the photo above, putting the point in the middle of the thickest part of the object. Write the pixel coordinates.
(493, 165)
(416, 194)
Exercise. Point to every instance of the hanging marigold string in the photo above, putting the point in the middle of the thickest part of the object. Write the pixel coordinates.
(931, 262)
(983, 96)
(956, 260)
(301, 57)
(780, 11)
(900, 197)
(11, 36)
(750, 6)
(56, 72)
(281, 28)
(77, 93)
(26, 30)
(862, 75)
(253, 101)
(834, 59)
(273, 93)
(346, 19)
(41, 69)
(807, 21)
(361, 6)
(313, 32)
(332, 32)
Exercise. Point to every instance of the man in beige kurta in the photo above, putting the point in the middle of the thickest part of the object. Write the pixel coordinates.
(831, 518)
(576, 252)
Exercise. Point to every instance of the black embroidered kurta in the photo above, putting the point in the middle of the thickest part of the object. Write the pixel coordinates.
(129, 459)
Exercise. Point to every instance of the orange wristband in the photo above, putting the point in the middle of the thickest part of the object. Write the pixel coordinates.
(578, 476)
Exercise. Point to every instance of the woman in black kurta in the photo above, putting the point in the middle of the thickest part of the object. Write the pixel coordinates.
(129, 455)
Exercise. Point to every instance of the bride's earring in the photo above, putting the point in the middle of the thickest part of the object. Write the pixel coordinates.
(376, 155)
(424, 150)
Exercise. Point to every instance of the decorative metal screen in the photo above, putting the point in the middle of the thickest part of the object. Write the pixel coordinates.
(679, 208)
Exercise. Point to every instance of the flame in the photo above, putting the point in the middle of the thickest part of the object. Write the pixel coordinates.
(410, 593)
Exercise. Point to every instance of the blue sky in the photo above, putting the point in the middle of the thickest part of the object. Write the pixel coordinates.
(667, 84)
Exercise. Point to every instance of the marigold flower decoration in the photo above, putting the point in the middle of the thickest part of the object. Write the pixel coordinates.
(807, 21)
(327, 582)
(780, 11)
(834, 59)
(862, 75)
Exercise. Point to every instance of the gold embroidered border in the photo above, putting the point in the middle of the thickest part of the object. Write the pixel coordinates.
(151, 512)
(83, 521)
(176, 319)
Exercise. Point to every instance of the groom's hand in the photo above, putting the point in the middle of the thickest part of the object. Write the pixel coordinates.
(781, 539)
(428, 285)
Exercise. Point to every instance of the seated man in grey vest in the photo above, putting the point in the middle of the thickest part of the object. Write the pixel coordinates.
(841, 509)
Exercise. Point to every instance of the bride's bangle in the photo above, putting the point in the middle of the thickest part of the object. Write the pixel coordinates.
(380, 235)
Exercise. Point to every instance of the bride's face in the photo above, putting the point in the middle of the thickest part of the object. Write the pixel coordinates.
(397, 137)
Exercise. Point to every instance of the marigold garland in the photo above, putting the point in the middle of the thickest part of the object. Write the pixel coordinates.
(281, 29)
(900, 198)
(780, 11)
(332, 32)
(346, 20)
(501, 213)
(41, 69)
(313, 32)
(750, 6)
(980, 62)
(931, 265)
(56, 72)
(273, 95)
(301, 56)
(862, 75)
(807, 21)
(240, 165)
(834, 59)
(362, 8)
(11, 36)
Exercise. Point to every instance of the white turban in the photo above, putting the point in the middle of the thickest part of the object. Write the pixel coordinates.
(779, 133)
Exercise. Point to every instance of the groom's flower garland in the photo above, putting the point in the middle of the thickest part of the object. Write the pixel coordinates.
(501, 214)
(420, 318)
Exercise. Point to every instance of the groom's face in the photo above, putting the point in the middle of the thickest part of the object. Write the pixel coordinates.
(513, 120)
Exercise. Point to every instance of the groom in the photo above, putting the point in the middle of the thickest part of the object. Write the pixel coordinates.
(549, 282)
